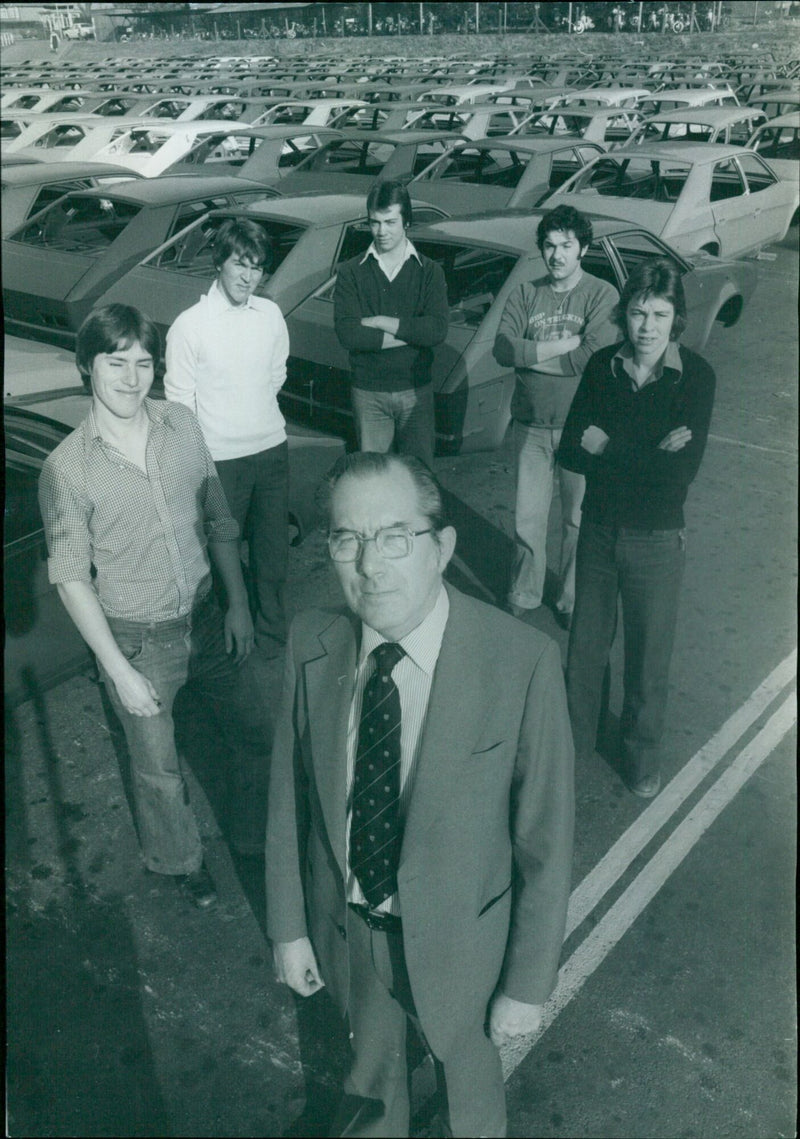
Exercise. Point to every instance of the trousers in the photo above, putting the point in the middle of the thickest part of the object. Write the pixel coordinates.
(171, 654)
(376, 1089)
(404, 419)
(643, 569)
(536, 449)
(257, 490)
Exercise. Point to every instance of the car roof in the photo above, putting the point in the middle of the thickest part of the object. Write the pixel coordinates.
(322, 209)
(404, 137)
(791, 119)
(510, 229)
(38, 173)
(710, 116)
(173, 188)
(526, 143)
(694, 153)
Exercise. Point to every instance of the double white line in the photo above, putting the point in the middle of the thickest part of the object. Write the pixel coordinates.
(622, 914)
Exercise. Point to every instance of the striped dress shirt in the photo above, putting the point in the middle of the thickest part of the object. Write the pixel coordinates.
(413, 676)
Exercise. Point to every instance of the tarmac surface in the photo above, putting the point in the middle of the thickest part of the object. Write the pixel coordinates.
(130, 1013)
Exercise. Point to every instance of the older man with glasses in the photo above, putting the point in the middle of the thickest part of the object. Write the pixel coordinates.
(422, 764)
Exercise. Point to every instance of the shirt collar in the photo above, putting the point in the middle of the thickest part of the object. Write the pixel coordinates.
(422, 644)
(158, 412)
(408, 252)
(670, 360)
(218, 302)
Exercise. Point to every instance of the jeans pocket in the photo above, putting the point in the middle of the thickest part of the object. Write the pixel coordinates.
(131, 645)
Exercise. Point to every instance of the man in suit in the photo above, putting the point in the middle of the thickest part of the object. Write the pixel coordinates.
(433, 728)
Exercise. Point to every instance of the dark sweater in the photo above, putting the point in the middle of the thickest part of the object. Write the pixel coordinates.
(634, 483)
(417, 296)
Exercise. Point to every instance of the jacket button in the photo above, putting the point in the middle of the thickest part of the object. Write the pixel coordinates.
(342, 931)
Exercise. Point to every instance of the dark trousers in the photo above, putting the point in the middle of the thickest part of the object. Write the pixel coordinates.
(376, 1100)
(644, 569)
(257, 490)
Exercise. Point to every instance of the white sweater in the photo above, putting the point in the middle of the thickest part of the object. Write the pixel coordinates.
(227, 364)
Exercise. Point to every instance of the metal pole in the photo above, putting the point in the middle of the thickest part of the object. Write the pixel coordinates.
(369, 19)
(421, 20)
(569, 17)
(755, 13)
(640, 16)
(477, 17)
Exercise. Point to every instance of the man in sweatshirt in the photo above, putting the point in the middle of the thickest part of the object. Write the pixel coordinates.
(549, 329)
(226, 361)
(390, 311)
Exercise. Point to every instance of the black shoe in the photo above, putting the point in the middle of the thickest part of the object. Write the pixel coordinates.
(198, 888)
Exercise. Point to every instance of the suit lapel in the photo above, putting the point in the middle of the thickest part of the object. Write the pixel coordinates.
(329, 683)
(456, 713)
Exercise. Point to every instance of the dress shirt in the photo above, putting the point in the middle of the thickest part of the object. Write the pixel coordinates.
(227, 363)
(413, 676)
(139, 530)
(623, 359)
(391, 273)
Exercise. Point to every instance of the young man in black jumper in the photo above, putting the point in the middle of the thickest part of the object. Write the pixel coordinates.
(390, 311)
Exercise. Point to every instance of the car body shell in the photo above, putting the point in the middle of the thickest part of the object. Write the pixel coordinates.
(677, 98)
(776, 103)
(609, 127)
(46, 400)
(484, 258)
(260, 154)
(502, 173)
(30, 187)
(726, 126)
(631, 97)
(455, 95)
(779, 142)
(76, 138)
(59, 264)
(352, 162)
(691, 195)
(471, 120)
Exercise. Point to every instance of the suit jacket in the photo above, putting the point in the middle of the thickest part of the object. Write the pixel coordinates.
(484, 870)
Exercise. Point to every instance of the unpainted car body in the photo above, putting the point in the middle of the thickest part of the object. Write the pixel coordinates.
(723, 199)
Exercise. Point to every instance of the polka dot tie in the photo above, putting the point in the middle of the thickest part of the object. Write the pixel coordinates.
(375, 828)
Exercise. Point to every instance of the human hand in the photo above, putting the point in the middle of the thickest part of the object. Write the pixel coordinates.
(296, 966)
(509, 1019)
(594, 440)
(676, 440)
(388, 324)
(137, 694)
(239, 634)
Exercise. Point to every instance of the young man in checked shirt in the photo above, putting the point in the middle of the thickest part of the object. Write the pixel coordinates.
(132, 509)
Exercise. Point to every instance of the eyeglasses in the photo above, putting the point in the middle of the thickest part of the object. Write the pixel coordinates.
(390, 542)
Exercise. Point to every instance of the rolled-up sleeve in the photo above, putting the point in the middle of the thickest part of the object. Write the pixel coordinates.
(66, 528)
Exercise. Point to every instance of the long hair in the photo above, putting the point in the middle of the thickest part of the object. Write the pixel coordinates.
(658, 278)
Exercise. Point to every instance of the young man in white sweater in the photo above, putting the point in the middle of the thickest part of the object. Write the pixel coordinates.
(226, 360)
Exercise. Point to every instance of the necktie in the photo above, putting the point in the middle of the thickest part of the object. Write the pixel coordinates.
(375, 829)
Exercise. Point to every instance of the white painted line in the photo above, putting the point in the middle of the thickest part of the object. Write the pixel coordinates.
(619, 857)
(752, 446)
(621, 916)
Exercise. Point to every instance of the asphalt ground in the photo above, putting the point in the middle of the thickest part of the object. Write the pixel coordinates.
(130, 1013)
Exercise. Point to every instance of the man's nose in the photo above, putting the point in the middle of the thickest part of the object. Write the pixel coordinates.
(129, 376)
(370, 561)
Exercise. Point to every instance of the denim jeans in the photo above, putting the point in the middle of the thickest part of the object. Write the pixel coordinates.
(171, 654)
(536, 463)
(403, 418)
(643, 568)
(257, 490)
